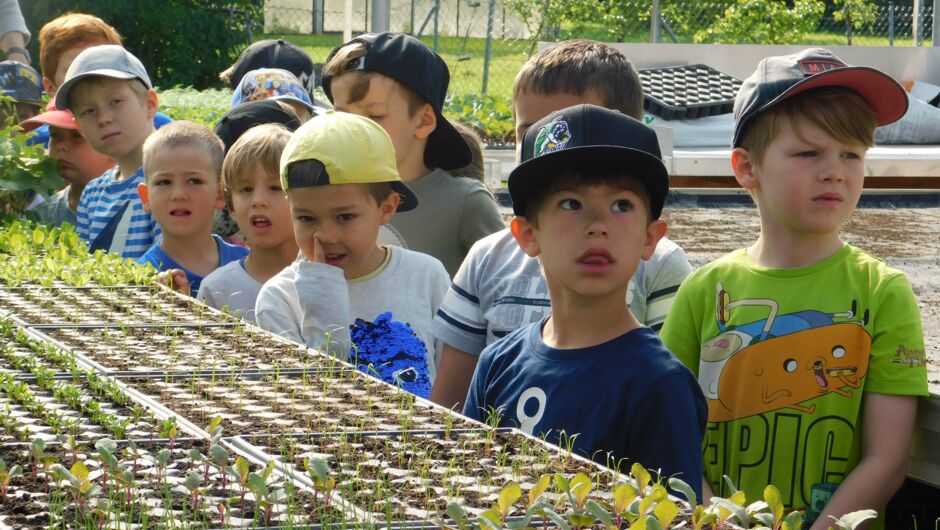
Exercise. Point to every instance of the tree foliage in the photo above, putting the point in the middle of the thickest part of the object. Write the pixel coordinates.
(764, 22)
(180, 42)
(857, 14)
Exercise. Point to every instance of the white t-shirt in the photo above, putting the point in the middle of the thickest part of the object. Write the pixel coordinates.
(231, 286)
(308, 302)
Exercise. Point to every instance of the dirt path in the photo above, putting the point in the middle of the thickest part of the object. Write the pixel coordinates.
(908, 239)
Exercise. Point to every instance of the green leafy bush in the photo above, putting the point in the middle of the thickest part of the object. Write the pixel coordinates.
(200, 106)
(764, 22)
(23, 168)
(181, 42)
(490, 116)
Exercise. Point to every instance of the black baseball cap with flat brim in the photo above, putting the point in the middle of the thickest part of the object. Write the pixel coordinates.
(408, 61)
(239, 119)
(589, 138)
(781, 77)
(276, 53)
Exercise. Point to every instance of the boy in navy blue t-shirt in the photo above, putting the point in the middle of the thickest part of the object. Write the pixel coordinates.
(587, 200)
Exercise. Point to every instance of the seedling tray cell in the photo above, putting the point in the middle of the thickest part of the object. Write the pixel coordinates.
(399, 478)
(186, 349)
(687, 92)
(146, 487)
(281, 404)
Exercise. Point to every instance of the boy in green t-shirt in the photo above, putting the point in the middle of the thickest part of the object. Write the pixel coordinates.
(787, 335)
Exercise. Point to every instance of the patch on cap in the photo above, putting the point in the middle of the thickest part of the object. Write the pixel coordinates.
(818, 66)
(553, 136)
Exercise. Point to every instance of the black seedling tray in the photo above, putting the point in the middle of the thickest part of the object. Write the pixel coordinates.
(687, 92)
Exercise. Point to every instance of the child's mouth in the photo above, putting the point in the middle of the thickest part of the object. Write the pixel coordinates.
(596, 260)
(179, 212)
(333, 259)
(260, 222)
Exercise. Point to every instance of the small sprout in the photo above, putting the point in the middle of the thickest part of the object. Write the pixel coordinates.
(319, 473)
(194, 485)
(853, 520)
(6, 476)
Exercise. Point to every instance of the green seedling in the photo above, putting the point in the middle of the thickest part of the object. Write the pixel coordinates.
(163, 460)
(79, 484)
(215, 429)
(193, 484)
(323, 483)
(775, 519)
(219, 458)
(6, 476)
(265, 498)
(240, 473)
(169, 429)
(851, 521)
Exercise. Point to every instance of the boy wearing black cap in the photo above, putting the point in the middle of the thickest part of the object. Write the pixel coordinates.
(338, 170)
(809, 350)
(400, 83)
(587, 199)
(21, 83)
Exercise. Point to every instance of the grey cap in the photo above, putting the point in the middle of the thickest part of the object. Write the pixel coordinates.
(108, 60)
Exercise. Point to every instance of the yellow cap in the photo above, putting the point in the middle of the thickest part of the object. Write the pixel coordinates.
(352, 149)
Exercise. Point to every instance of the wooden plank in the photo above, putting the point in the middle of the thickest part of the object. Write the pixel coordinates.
(894, 183)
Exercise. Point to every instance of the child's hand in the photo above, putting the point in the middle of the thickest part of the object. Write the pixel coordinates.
(174, 279)
(319, 256)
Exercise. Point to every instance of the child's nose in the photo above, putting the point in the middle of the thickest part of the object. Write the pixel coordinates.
(832, 169)
(597, 222)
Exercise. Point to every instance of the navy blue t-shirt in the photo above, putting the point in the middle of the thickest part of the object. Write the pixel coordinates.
(629, 396)
(162, 261)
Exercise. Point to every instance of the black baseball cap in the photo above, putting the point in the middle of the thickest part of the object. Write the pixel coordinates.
(239, 119)
(276, 54)
(589, 138)
(782, 76)
(20, 82)
(408, 61)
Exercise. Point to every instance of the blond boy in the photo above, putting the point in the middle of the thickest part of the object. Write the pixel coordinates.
(809, 351)
(110, 94)
(181, 189)
(252, 187)
(342, 185)
(400, 83)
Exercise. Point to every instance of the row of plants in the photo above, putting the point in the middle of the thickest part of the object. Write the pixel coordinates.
(234, 442)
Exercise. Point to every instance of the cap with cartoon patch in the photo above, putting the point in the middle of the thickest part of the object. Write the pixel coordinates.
(20, 82)
(589, 138)
(352, 149)
(782, 76)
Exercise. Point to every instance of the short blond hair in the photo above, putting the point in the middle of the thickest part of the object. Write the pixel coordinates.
(69, 31)
(184, 134)
(339, 64)
(840, 112)
(578, 65)
(262, 144)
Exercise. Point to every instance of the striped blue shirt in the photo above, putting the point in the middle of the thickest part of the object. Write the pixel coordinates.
(112, 218)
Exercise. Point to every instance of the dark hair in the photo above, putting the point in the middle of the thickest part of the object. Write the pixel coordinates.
(306, 173)
(576, 178)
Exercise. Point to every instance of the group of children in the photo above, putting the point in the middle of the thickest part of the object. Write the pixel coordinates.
(794, 362)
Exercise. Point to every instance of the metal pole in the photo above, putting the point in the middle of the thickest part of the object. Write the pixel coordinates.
(437, 16)
(935, 27)
(381, 16)
(318, 17)
(412, 27)
(890, 24)
(916, 21)
(491, 9)
(654, 22)
(347, 25)
(457, 23)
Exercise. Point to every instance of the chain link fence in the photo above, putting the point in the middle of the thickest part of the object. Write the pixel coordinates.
(484, 42)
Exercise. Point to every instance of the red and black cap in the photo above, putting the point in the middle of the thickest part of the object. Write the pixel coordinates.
(408, 61)
(276, 54)
(782, 76)
(589, 138)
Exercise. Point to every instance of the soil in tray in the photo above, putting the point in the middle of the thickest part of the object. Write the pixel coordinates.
(180, 349)
(158, 494)
(145, 304)
(319, 402)
(414, 477)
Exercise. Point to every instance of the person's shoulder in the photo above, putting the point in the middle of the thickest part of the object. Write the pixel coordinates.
(411, 259)
(876, 266)
(223, 274)
(652, 358)
(508, 348)
(154, 256)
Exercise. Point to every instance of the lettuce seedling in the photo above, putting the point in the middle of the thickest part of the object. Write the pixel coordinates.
(6, 476)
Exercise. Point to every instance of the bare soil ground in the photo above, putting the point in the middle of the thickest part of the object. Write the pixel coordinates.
(906, 238)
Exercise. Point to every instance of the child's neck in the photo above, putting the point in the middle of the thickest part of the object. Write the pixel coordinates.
(75, 193)
(412, 170)
(198, 254)
(791, 251)
(371, 264)
(581, 322)
(264, 264)
(129, 165)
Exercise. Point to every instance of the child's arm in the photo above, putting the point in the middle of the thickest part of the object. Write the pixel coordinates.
(886, 446)
(481, 217)
(661, 288)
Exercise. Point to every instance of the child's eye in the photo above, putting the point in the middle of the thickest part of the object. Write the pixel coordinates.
(570, 204)
(375, 117)
(345, 217)
(114, 102)
(161, 182)
(246, 189)
(306, 219)
(621, 206)
(86, 111)
(852, 155)
(806, 154)
(195, 181)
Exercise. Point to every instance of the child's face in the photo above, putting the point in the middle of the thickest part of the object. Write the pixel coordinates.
(808, 183)
(78, 162)
(386, 104)
(530, 107)
(182, 191)
(260, 208)
(344, 221)
(111, 115)
(590, 239)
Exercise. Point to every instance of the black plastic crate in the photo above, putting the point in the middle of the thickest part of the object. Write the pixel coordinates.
(686, 92)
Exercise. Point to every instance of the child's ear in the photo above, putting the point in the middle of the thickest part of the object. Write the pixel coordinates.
(388, 207)
(655, 231)
(524, 233)
(220, 202)
(48, 87)
(144, 196)
(742, 163)
(152, 103)
(427, 121)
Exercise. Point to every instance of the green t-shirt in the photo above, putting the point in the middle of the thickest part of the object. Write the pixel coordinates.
(784, 356)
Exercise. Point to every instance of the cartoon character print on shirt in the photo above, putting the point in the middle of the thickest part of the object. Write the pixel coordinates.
(392, 352)
(781, 362)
